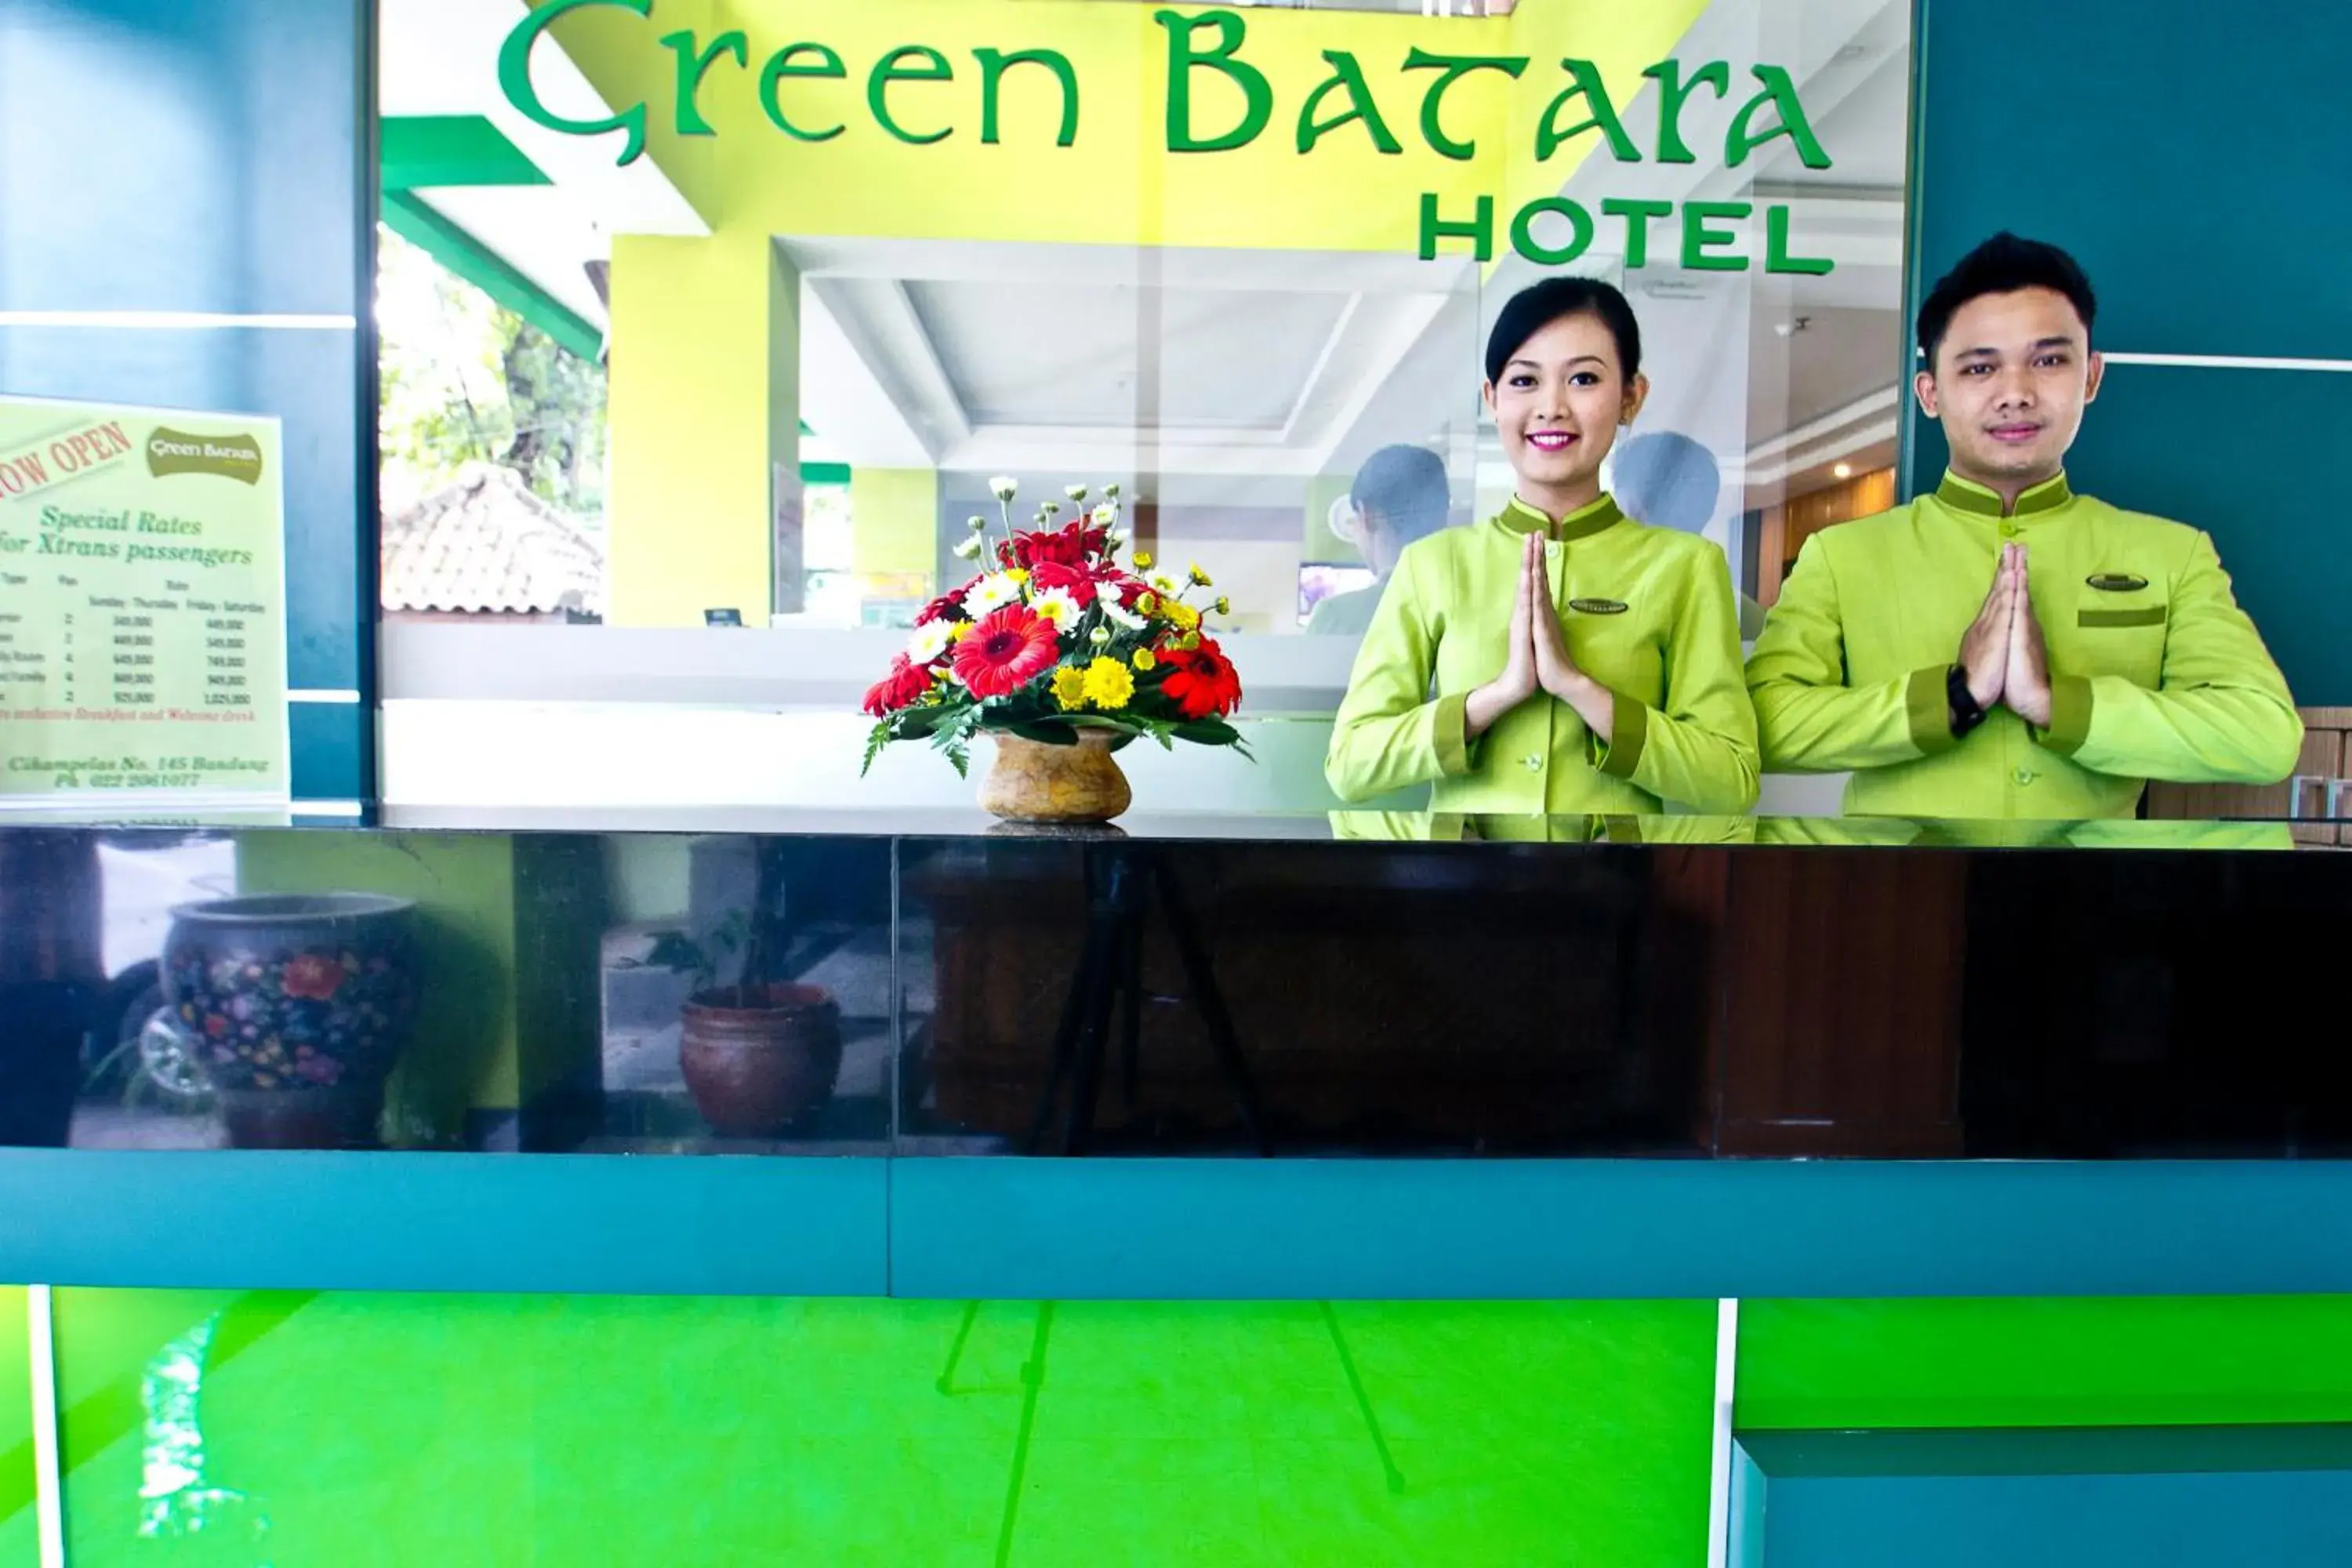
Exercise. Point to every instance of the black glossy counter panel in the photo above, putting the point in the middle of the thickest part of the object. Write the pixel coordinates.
(768, 984)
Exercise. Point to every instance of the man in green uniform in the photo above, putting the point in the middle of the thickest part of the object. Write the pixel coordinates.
(2108, 650)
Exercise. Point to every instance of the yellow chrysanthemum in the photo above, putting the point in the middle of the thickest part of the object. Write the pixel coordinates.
(1224, 605)
(1142, 562)
(1019, 574)
(1182, 614)
(1147, 603)
(1189, 641)
(1069, 688)
(1200, 579)
(1144, 661)
(1109, 684)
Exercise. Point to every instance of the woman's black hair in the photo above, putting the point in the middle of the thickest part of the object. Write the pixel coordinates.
(1538, 305)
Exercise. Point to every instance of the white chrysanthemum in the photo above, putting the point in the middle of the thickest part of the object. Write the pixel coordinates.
(1168, 586)
(975, 522)
(1099, 635)
(993, 592)
(1005, 486)
(1057, 605)
(1075, 493)
(1105, 515)
(929, 641)
(1118, 616)
(968, 548)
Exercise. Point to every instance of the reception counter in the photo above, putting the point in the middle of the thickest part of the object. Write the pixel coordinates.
(1357, 1054)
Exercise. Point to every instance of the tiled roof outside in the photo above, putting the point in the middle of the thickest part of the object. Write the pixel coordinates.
(486, 543)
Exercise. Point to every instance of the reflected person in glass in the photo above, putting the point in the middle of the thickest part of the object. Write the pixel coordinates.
(1668, 480)
(1559, 657)
(1399, 496)
(2002, 647)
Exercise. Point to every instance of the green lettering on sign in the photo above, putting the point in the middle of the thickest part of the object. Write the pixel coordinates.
(1782, 93)
(1776, 247)
(993, 64)
(514, 78)
(1672, 91)
(1600, 115)
(1638, 214)
(1523, 236)
(783, 63)
(1348, 77)
(1453, 68)
(1258, 93)
(1699, 241)
(889, 68)
(1479, 230)
(692, 66)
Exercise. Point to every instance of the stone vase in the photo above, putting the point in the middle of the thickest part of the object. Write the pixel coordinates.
(1033, 782)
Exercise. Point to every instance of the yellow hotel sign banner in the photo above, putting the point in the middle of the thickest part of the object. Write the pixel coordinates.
(1075, 120)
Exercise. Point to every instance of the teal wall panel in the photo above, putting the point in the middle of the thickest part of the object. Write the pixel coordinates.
(1581, 1230)
(2290, 1521)
(446, 1221)
(2185, 163)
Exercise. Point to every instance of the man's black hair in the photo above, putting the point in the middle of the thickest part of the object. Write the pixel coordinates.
(2001, 265)
(1538, 305)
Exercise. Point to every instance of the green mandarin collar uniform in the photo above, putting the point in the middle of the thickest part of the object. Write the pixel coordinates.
(1647, 612)
(2155, 673)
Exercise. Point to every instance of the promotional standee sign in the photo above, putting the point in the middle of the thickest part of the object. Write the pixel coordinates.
(142, 606)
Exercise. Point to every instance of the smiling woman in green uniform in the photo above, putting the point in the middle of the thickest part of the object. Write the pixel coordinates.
(2108, 651)
(1559, 657)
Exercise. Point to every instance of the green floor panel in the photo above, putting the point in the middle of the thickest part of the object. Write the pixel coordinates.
(486, 1430)
(20, 1544)
(2135, 1361)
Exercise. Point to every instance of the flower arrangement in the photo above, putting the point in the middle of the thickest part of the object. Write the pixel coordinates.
(1057, 637)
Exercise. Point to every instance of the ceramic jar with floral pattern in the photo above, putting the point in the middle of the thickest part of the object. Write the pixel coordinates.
(297, 1008)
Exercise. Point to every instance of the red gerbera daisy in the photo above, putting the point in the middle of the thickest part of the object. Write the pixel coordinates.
(899, 688)
(1202, 681)
(1005, 651)
(948, 605)
(1080, 580)
(1072, 545)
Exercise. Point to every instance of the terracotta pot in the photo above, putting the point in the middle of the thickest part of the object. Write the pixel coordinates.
(303, 999)
(758, 1060)
(1032, 782)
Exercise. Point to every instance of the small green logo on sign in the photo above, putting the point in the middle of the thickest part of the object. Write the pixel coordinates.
(2116, 581)
(234, 458)
(1597, 606)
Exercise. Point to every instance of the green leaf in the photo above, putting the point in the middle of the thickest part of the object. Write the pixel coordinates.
(875, 741)
(1209, 732)
(1046, 732)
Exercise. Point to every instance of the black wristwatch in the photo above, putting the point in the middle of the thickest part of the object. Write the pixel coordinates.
(1967, 712)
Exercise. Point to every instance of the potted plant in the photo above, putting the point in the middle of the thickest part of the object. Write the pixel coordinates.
(1061, 656)
(758, 1054)
(295, 1008)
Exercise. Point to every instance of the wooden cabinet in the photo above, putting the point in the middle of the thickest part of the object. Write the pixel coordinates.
(2327, 759)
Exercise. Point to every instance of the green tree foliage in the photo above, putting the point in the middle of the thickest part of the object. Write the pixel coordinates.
(462, 380)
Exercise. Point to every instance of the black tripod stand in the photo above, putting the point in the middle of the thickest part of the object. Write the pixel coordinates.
(1119, 880)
